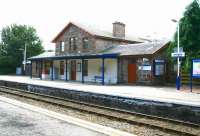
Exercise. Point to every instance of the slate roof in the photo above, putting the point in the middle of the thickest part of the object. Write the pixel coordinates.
(137, 49)
(120, 50)
(98, 33)
(52, 55)
(43, 55)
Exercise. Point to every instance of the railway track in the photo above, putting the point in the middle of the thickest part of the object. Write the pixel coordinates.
(162, 124)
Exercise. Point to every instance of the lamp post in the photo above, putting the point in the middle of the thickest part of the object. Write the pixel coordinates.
(24, 58)
(178, 59)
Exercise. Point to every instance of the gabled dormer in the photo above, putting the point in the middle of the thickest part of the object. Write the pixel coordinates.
(73, 39)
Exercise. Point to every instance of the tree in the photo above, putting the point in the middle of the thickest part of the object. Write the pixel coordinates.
(13, 39)
(189, 34)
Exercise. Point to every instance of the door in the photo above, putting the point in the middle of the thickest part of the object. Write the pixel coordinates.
(131, 73)
(73, 70)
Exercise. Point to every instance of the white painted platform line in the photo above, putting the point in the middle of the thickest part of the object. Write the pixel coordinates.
(69, 119)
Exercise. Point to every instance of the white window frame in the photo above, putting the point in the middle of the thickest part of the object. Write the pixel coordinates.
(62, 46)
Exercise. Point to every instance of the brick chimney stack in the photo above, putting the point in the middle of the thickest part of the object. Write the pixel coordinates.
(119, 29)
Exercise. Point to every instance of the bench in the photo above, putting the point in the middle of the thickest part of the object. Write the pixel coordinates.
(98, 78)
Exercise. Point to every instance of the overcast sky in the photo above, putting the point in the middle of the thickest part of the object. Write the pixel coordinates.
(142, 17)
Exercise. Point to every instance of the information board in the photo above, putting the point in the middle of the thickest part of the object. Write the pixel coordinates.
(159, 67)
(196, 68)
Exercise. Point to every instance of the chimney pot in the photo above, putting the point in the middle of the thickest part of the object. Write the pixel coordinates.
(119, 29)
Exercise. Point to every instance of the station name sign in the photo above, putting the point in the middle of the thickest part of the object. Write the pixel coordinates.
(176, 54)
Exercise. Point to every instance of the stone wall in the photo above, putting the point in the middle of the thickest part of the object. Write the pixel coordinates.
(79, 34)
(96, 44)
(152, 80)
(160, 80)
(123, 69)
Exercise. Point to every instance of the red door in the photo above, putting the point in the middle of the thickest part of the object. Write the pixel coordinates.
(131, 73)
(73, 70)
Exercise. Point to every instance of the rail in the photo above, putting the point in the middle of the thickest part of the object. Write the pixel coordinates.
(164, 124)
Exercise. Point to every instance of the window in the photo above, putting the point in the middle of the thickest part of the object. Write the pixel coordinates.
(85, 68)
(85, 43)
(61, 67)
(78, 68)
(72, 44)
(62, 46)
(144, 70)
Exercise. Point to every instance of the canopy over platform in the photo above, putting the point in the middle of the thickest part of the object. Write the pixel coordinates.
(52, 56)
(112, 52)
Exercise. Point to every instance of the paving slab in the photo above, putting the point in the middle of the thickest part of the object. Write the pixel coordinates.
(162, 94)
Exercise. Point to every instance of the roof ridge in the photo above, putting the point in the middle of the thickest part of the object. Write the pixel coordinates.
(97, 32)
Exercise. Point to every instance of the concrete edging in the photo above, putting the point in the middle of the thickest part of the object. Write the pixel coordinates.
(69, 119)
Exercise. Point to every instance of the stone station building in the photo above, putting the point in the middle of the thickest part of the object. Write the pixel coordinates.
(85, 54)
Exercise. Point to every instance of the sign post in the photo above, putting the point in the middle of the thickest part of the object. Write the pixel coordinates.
(178, 53)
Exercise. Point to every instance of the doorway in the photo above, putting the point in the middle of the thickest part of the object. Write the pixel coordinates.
(131, 73)
(73, 70)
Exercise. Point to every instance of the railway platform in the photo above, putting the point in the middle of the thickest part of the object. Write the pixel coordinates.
(21, 119)
(158, 101)
(162, 94)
